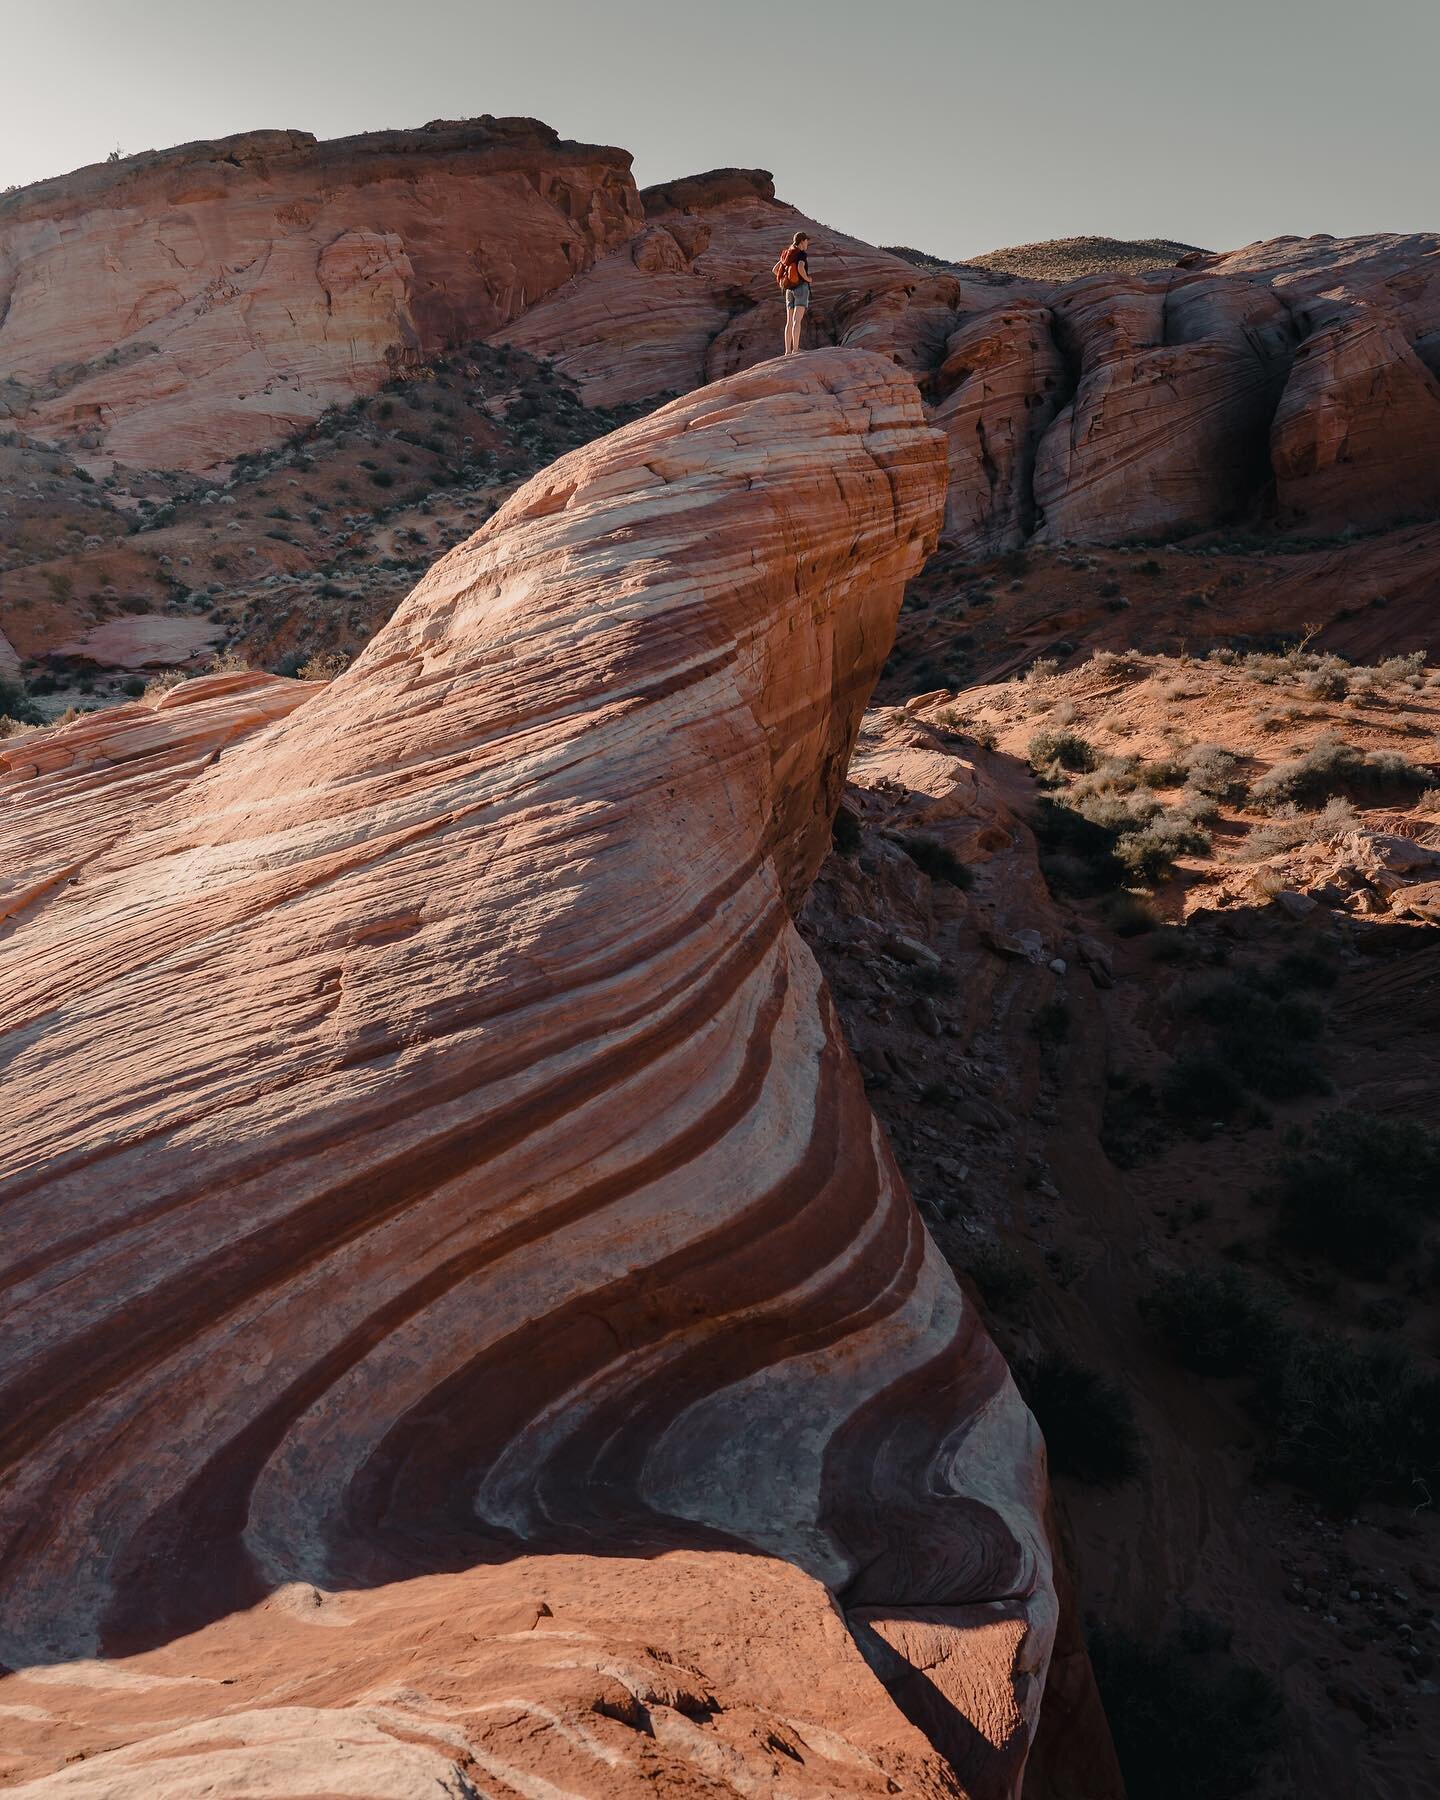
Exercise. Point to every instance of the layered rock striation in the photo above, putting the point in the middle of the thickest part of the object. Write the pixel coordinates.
(183, 306)
(1291, 384)
(179, 307)
(460, 1310)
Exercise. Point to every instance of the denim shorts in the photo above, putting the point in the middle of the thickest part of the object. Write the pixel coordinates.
(797, 296)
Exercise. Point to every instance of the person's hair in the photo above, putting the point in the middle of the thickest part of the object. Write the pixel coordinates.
(800, 237)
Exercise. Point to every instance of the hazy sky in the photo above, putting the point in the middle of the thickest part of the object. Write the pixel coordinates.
(956, 127)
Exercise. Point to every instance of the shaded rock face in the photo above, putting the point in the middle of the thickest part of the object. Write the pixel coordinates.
(183, 306)
(430, 1144)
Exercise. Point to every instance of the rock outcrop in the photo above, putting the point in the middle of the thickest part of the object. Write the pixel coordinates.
(463, 1322)
(185, 305)
(176, 308)
(1292, 383)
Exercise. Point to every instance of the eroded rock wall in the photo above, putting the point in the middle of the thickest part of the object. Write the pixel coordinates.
(183, 306)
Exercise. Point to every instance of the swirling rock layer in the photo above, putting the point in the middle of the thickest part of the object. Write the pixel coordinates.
(439, 1201)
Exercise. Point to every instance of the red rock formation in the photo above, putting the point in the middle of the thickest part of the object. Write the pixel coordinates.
(1357, 434)
(997, 389)
(440, 1202)
(1104, 409)
(647, 320)
(182, 306)
(1166, 433)
(74, 793)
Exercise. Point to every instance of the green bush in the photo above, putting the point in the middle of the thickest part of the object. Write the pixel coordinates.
(999, 1272)
(1331, 766)
(1264, 1043)
(1213, 771)
(937, 860)
(1150, 854)
(1186, 1725)
(1130, 915)
(1351, 1424)
(1213, 1321)
(1359, 1188)
(1077, 856)
(1087, 1419)
(1067, 749)
(16, 704)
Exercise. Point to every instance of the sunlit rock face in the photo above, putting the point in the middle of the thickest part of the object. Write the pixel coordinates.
(463, 1321)
(186, 305)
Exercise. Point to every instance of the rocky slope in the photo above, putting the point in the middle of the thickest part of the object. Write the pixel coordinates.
(1169, 1114)
(511, 1190)
(176, 308)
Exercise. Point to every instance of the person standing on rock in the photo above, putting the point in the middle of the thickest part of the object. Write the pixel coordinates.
(793, 273)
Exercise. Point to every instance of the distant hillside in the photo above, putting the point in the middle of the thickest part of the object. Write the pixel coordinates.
(1066, 259)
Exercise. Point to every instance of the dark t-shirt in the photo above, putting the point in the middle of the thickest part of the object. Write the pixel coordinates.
(801, 259)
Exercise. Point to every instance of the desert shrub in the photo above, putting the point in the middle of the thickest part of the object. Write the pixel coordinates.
(161, 684)
(1128, 914)
(999, 1272)
(1259, 1042)
(1062, 749)
(1087, 1418)
(17, 706)
(1351, 1424)
(1114, 811)
(1118, 665)
(1149, 855)
(1212, 771)
(1116, 775)
(1186, 1725)
(323, 665)
(228, 662)
(1289, 829)
(1214, 1321)
(937, 860)
(1331, 766)
(1077, 856)
(1164, 772)
(845, 832)
(1359, 1188)
(132, 687)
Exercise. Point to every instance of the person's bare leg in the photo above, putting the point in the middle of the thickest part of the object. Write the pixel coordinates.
(797, 325)
(789, 329)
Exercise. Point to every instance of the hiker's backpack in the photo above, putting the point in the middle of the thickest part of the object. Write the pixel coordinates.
(787, 270)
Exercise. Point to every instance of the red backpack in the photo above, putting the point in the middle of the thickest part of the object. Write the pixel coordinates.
(787, 270)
